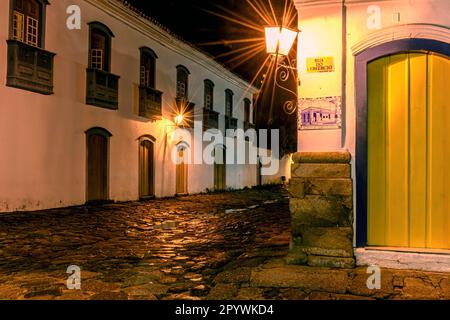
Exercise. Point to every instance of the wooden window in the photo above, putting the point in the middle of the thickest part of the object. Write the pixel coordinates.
(148, 68)
(98, 50)
(229, 103)
(29, 65)
(97, 59)
(209, 94)
(247, 107)
(32, 31)
(102, 87)
(182, 82)
(100, 46)
(18, 24)
(27, 22)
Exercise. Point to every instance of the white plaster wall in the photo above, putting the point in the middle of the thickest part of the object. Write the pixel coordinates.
(320, 36)
(284, 170)
(42, 138)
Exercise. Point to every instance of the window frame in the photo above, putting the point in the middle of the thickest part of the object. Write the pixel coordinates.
(229, 98)
(209, 85)
(182, 69)
(152, 80)
(100, 27)
(247, 110)
(41, 26)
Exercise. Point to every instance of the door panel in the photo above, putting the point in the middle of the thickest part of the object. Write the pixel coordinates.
(377, 153)
(408, 151)
(146, 168)
(438, 222)
(397, 155)
(418, 149)
(220, 169)
(97, 167)
(181, 173)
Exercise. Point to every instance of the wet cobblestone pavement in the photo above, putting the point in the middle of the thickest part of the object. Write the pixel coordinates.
(216, 246)
(159, 249)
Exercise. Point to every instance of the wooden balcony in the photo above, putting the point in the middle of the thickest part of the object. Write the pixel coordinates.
(102, 89)
(210, 119)
(230, 123)
(150, 103)
(29, 68)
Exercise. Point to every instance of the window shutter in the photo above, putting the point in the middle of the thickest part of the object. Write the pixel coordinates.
(18, 26)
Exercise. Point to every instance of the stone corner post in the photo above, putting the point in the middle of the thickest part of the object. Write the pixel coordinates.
(321, 205)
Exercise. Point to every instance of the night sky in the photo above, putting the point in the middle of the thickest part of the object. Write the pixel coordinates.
(191, 20)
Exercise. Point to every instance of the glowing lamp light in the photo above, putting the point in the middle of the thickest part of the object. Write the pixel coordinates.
(179, 119)
(279, 40)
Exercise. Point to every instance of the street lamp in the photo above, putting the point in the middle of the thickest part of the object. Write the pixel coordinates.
(179, 119)
(279, 41)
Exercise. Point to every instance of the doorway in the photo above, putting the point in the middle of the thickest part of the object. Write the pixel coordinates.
(220, 169)
(408, 151)
(181, 171)
(146, 168)
(97, 164)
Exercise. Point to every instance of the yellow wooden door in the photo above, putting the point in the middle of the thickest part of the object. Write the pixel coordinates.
(408, 199)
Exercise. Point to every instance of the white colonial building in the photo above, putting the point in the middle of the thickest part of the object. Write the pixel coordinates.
(88, 114)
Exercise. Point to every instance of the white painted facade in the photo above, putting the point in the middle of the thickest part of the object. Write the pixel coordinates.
(342, 29)
(42, 137)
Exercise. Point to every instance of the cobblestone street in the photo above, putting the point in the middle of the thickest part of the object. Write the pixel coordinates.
(215, 246)
(165, 248)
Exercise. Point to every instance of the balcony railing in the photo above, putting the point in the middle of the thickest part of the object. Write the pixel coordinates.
(29, 68)
(150, 103)
(210, 119)
(248, 125)
(102, 89)
(230, 123)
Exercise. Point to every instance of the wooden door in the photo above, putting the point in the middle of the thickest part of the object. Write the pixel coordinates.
(181, 172)
(409, 151)
(97, 171)
(220, 169)
(146, 169)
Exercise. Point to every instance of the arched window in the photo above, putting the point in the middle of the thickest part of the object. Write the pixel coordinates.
(229, 103)
(182, 82)
(209, 94)
(247, 107)
(28, 18)
(148, 68)
(100, 46)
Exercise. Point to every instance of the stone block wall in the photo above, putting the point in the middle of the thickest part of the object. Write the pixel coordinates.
(321, 205)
